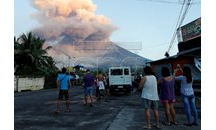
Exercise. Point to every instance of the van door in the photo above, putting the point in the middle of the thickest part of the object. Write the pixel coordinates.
(127, 76)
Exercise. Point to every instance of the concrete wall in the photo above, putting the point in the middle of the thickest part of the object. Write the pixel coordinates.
(15, 84)
(28, 83)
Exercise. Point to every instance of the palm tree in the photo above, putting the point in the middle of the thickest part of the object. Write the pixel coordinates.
(29, 56)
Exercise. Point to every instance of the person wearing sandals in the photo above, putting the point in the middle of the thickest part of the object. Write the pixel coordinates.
(88, 80)
(149, 96)
(167, 95)
(187, 94)
(63, 83)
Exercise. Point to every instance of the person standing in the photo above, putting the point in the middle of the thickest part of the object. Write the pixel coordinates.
(101, 84)
(149, 96)
(187, 94)
(107, 84)
(63, 83)
(97, 86)
(167, 95)
(138, 79)
(88, 80)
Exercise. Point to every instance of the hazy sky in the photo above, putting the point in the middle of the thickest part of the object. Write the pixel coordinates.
(150, 23)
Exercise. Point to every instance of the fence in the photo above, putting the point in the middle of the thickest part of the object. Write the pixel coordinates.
(24, 84)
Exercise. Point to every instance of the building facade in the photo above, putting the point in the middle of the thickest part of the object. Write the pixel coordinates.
(189, 53)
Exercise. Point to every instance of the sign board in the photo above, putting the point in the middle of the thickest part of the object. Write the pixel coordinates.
(190, 31)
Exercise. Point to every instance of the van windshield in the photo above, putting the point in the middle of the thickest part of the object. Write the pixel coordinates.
(116, 71)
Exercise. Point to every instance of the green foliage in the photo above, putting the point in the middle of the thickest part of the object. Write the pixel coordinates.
(30, 58)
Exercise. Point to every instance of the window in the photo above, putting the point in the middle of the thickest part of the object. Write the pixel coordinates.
(116, 72)
(126, 71)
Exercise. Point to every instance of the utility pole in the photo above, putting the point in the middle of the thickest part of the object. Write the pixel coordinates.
(185, 7)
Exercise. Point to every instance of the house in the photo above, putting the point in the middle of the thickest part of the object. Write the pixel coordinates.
(189, 46)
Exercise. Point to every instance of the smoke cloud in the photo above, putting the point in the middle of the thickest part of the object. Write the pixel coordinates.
(70, 21)
(70, 24)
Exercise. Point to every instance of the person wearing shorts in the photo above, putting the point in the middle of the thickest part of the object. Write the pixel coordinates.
(88, 80)
(63, 81)
(149, 96)
(150, 104)
(101, 84)
(88, 91)
(63, 93)
(167, 95)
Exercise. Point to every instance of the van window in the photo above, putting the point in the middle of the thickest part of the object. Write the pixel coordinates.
(116, 71)
(126, 71)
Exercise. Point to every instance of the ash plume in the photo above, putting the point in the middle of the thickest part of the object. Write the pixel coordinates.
(69, 21)
(66, 24)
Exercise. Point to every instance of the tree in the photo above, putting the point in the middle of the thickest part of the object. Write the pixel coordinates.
(30, 58)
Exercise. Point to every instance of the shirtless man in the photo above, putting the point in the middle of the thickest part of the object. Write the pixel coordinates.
(101, 84)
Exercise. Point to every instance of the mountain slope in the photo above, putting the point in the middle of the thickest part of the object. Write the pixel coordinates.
(93, 56)
(121, 57)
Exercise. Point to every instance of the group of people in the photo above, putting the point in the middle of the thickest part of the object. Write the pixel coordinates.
(63, 84)
(150, 98)
(102, 85)
(100, 81)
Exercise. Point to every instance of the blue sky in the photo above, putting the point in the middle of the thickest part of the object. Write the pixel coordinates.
(149, 23)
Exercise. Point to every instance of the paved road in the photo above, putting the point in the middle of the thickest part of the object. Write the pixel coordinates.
(34, 110)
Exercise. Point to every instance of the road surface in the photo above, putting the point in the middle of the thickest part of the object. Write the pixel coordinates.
(34, 110)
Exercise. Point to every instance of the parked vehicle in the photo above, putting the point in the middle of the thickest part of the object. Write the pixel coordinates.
(74, 78)
(120, 79)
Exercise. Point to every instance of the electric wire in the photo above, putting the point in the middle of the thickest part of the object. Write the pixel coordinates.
(182, 19)
(179, 23)
(175, 30)
(185, 6)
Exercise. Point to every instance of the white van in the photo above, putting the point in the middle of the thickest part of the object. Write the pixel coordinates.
(120, 79)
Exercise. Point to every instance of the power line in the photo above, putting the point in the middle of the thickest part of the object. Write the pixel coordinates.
(175, 30)
(180, 20)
